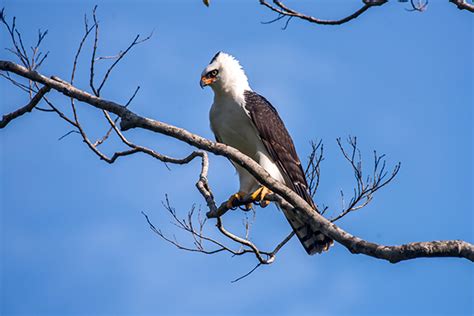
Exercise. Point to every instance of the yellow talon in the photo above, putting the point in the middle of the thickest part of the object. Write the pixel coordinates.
(255, 195)
(260, 194)
(234, 197)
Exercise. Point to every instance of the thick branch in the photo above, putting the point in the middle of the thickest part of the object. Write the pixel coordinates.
(394, 254)
(304, 210)
(7, 118)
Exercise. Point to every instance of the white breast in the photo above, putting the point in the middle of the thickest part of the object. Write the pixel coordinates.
(233, 126)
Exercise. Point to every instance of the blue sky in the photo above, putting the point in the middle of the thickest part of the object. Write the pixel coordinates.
(73, 241)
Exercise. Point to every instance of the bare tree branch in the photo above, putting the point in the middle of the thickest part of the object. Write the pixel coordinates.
(117, 58)
(7, 118)
(94, 51)
(59, 112)
(246, 274)
(463, 5)
(452, 248)
(20, 85)
(32, 62)
(313, 169)
(97, 91)
(107, 134)
(365, 188)
(284, 11)
(12, 31)
(187, 224)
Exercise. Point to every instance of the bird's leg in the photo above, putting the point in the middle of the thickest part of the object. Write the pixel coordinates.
(234, 197)
(260, 194)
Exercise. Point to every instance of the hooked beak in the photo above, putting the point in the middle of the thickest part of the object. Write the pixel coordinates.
(206, 81)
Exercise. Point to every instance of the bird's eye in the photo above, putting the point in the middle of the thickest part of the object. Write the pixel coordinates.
(213, 73)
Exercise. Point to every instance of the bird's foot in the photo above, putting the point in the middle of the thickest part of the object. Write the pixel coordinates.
(237, 197)
(259, 196)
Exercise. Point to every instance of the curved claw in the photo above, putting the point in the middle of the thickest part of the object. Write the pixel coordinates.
(259, 196)
(247, 207)
(234, 197)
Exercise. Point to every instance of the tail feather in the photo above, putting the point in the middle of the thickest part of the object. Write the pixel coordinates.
(312, 241)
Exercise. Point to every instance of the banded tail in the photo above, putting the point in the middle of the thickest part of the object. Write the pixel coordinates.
(313, 241)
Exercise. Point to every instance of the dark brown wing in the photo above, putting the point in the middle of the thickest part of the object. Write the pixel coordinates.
(280, 146)
(278, 142)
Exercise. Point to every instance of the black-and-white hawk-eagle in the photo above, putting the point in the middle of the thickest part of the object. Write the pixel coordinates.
(245, 120)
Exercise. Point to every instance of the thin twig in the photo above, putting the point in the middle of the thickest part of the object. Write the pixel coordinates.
(135, 42)
(365, 188)
(107, 134)
(246, 274)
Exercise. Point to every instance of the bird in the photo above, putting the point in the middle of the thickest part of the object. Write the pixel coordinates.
(243, 119)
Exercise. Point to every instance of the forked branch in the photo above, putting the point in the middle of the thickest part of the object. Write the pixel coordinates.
(365, 186)
(313, 168)
(210, 245)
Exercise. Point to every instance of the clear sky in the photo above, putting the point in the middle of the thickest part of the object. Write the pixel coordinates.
(73, 241)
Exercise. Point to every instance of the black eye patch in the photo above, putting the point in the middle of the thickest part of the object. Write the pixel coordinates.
(212, 74)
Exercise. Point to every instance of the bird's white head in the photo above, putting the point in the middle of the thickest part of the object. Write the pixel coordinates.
(225, 75)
